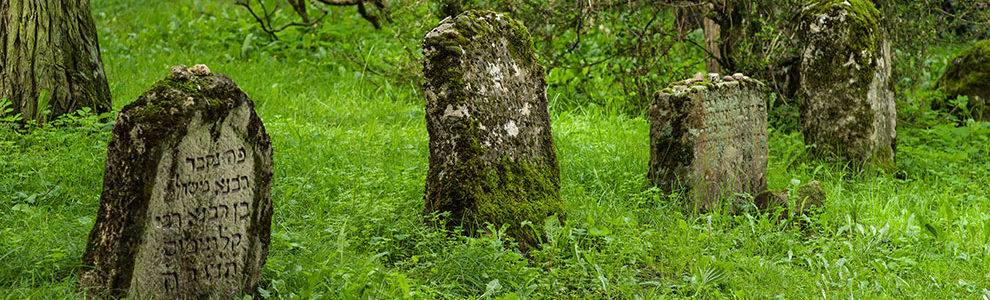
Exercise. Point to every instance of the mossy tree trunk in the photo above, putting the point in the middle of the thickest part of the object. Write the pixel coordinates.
(50, 58)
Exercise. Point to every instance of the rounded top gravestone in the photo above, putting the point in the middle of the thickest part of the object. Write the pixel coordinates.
(186, 209)
(492, 157)
(847, 102)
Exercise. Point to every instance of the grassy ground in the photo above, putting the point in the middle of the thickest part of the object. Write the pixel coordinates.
(351, 157)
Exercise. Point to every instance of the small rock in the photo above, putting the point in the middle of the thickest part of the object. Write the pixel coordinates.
(200, 70)
(809, 196)
(699, 76)
(728, 78)
(767, 200)
(738, 76)
(713, 77)
(181, 72)
(691, 81)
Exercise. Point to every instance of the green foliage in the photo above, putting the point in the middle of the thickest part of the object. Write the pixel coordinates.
(6, 118)
(351, 156)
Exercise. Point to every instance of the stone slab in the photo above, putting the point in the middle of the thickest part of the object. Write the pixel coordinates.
(708, 138)
(185, 211)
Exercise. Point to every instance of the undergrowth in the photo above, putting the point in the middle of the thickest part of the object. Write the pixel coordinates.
(351, 156)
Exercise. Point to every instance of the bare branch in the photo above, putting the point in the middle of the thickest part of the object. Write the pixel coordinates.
(264, 16)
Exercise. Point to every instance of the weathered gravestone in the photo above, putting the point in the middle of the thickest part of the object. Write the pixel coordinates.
(708, 136)
(185, 211)
(968, 74)
(492, 157)
(847, 105)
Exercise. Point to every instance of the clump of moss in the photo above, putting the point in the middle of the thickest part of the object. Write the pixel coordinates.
(509, 192)
(163, 107)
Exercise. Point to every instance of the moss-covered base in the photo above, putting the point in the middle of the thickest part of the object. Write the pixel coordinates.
(505, 194)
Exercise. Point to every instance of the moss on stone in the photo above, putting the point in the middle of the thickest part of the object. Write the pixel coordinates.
(862, 20)
(159, 109)
(477, 174)
(863, 12)
(846, 103)
(968, 73)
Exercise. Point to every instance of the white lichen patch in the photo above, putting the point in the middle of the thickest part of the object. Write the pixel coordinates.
(511, 128)
(525, 110)
(460, 112)
(443, 28)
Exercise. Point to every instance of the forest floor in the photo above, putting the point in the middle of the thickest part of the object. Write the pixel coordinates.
(351, 157)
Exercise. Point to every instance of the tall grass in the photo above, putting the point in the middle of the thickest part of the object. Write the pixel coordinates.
(351, 157)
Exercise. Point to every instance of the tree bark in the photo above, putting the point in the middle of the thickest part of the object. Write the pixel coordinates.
(712, 41)
(50, 58)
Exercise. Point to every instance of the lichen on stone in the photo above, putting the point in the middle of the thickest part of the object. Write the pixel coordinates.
(701, 82)
(180, 93)
(708, 139)
(492, 158)
(845, 96)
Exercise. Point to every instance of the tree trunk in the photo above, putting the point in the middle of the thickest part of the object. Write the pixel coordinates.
(50, 58)
(712, 42)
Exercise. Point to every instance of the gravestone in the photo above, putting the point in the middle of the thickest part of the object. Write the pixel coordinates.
(708, 138)
(492, 156)
(968, 74)
(185, 211)
(846, 99)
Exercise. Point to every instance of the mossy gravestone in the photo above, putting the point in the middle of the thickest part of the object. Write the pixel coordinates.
(492, 157)
(185, 211)
(968, 74)
(847, 105)
(708, 137)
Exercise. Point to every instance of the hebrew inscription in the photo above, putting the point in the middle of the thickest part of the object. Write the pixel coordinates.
(725, 120)
(198, 235)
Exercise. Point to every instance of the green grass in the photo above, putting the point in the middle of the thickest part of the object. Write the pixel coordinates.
(351, 156)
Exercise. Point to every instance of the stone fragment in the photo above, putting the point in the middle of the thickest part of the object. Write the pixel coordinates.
(769, 200)
(713, 77)
(803, 201)
(846, 102)
(968, 74)
(200, 70)
(809, 197)
(711, 142)
(698, 76)
(495, 162)
(185, 211)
